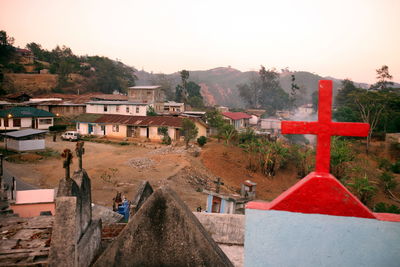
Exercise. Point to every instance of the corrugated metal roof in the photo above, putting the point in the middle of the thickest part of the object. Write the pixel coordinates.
(236, 115)
(143, 120)
(116, 102)
(145, 87)
(24, 112)
(24, 133)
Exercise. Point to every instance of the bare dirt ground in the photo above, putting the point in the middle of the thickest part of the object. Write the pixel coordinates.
(113, 168)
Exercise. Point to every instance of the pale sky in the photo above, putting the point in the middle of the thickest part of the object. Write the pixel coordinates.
(339, 38)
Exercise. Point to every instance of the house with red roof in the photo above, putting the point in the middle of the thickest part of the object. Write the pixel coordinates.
(123, 126)
(239, 120)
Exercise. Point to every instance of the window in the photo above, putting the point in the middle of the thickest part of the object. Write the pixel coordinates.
(17, 122)
(105, 107)
(78, 126)
(115, 128)
(45, 121)
(5, 122)
(137, 109)
(127, 109)
(117, 108)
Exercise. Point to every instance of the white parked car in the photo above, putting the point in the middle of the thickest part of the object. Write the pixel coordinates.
(70, 135)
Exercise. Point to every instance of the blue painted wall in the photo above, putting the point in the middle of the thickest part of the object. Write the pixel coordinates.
(209, 203)
(280, 238)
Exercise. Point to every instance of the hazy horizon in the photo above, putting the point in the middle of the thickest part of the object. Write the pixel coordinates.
(340, 39)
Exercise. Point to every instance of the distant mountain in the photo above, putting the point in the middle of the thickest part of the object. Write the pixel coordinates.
(219, 85)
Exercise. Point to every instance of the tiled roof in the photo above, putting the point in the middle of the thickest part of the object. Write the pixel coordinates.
(25, 112)
(236, 115)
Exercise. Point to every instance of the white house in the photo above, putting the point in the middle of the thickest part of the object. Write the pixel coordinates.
(238, 119)
(169, 107)
(272, 125)
(116, 107)
(25, 117)
(120, 126)
(25, 140)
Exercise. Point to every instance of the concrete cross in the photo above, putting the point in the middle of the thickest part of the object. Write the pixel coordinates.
(80, 150)
(324, 128)
(67, 162)
(218, 183)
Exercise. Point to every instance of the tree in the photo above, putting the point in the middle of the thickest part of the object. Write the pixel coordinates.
(343, 96)
(383, 77)
(265, 92)
(370, 105)
(227, 131)
(294, 89)
(251, 92)
(7, 51)
(195, 99)
(189, 130)
(166, 139)
(151, 112)
(181, 93)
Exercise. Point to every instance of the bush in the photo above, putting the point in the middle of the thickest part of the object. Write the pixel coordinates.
(123, 143)
(388, 181)
(57, 128)
(396, 167)
(384, 164)
(202, 140)
(246, 136)
(385, 208)
(364, 190)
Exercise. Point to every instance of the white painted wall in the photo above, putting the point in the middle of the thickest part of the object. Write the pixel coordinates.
(254, 120)
(268, 124)
(27, 123)
(134, 110)
(25, 145)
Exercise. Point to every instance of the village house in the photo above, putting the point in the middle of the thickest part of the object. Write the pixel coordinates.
(305, 110)
(239, 120)
(271, 125)
(25, 140)
(255, 115)
(122, 126)
(25, 117)
(145, 94)
(170, 107)
(116, 107)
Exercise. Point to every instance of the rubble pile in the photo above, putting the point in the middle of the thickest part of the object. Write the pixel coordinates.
(141, 163)
(168, 150)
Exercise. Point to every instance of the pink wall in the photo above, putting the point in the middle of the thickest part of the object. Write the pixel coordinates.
(32, 210)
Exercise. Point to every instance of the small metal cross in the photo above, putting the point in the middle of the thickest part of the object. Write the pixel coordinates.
(218, 183)
(80, 150)
(67, 162)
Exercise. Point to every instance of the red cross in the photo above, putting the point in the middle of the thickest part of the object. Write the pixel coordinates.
(324, 128)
